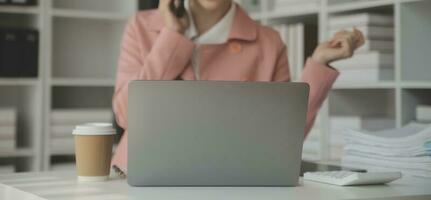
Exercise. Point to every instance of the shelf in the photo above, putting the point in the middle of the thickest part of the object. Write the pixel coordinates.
(91, 82)
(344, 7)
(416, 85)
(21, 152)
(20, 9)
(18, 81)
(79, 14)
(353, 85)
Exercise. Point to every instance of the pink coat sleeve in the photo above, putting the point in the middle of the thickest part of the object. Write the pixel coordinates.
(320, 78)
(166, 60)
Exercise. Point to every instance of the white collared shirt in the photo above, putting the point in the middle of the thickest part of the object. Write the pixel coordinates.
(217, 34)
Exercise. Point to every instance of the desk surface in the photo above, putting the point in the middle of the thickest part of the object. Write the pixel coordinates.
(63, 186)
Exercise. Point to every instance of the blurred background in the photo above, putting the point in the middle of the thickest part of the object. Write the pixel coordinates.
(58, 62)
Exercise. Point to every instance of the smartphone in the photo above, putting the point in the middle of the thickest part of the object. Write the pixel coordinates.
(179, 11)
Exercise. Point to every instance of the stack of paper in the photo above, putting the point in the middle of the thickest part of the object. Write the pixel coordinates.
(423, 113)
(339, 124)
(407, 150)
(293, 5)
(8, 118)
(374, 61)
(300, 40)
(63, 121)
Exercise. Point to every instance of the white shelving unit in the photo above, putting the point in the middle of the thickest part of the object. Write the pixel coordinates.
(78, 49)
(79, 46)
(395, 99)
(25, 95)
(84, 39)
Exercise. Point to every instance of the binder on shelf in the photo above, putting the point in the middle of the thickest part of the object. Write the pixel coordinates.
(19, 52)
(8, 116)
(18, 2)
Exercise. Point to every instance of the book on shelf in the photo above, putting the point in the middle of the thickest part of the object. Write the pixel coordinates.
(8, 116)
(423, 113)
(300, 40)
(382, 46)
(369, 32)
(372, 59)
(7, 169)
(7, 132)
(78, 116)
(361, 19)
(7, 144)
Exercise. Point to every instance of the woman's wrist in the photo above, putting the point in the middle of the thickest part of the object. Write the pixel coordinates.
(319, 59)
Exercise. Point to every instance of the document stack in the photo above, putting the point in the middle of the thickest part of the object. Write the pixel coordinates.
(294, 5)
(8, 118)
(300, 39)
(407, 150)
(374, 61)
(63, 121)
(423, 113)
(339, 124)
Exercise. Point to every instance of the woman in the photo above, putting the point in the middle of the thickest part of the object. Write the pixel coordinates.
(216, 40)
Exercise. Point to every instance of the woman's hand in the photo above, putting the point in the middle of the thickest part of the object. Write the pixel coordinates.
(171, 21)
(341, 46)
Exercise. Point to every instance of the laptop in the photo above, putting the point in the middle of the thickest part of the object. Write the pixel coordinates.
(210, 133)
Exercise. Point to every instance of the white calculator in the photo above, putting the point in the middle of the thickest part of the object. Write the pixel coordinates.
(349, 178)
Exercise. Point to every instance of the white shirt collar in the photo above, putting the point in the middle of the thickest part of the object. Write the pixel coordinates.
(217, 34)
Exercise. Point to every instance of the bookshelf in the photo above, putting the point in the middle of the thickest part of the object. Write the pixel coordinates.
(84, 39)
(77, 66)
(70, 78)
(394, 99)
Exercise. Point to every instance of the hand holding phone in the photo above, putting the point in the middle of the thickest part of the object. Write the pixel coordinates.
(174, 15)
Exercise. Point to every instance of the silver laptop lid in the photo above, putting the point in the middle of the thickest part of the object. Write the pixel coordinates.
(198, 133)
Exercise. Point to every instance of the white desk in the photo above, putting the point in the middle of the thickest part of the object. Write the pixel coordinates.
(63, 186)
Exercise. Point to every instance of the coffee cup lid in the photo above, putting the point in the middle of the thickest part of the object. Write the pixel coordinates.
(94, 129)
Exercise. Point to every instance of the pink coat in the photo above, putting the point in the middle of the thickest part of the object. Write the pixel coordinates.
(253, 53)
